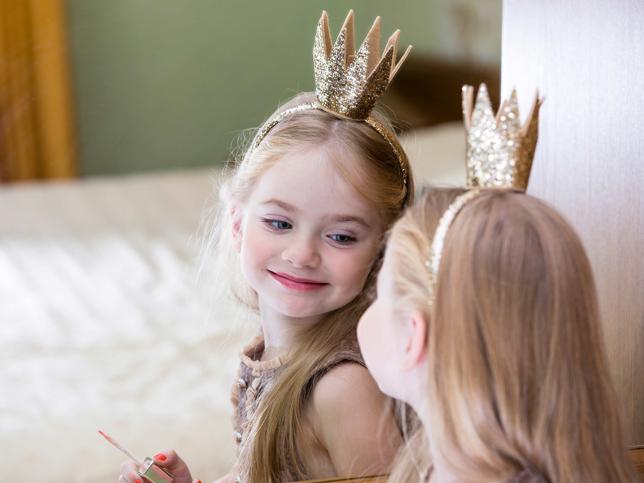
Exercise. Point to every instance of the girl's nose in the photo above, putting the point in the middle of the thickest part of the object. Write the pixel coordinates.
(302, 253)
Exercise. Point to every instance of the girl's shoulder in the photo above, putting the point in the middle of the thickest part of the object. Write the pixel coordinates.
(340, 381)
(343, 386)
(347, 414)
(348, 352)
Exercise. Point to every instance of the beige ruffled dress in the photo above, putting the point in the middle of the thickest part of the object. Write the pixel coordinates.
(255, 376)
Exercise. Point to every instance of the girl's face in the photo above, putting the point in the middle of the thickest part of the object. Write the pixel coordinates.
(379, 340)
(307, 238)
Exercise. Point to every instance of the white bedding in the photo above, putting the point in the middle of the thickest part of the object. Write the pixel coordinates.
(103, 326)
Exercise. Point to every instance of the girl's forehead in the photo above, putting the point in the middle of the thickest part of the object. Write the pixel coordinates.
(310, 178)
(321, 163)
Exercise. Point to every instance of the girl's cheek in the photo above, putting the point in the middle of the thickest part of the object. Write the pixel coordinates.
(368, 330)
(257, 240)
(370, 340)
(354, 262)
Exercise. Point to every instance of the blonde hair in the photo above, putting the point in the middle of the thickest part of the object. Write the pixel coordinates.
(271, 448)
(517, 374)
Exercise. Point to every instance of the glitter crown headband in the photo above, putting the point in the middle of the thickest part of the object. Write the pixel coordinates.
(348, 83)
(499, 155)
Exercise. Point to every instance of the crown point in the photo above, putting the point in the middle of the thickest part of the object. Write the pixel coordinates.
(348, 20)
(393, 38)
(399, 63)
(376, 26)
(483, 93)
(499, 150)
(392, 42)
(358, 78)
(537, 99)
(483, 105)
(369, 50)
(323, 35)
(467, 96)
(324, 21)
(348, 28)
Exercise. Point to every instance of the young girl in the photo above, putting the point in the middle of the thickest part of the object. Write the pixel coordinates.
(305, 210)
(486, 322)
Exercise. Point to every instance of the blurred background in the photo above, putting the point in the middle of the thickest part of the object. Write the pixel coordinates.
(115, 119)
(92, 87)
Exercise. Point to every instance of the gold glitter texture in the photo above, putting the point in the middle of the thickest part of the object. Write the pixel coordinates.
(499, 149)
(347, 82)
(499, 155)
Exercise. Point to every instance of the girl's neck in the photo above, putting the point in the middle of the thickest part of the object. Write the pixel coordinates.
(281, 332)
(439, 474)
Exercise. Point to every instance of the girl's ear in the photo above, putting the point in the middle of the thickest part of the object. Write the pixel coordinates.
(236, 217)
(415, 350)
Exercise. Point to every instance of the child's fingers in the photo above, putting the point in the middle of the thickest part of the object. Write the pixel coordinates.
(129, 474)
(127, 467)
(130, 479)
(170, 460)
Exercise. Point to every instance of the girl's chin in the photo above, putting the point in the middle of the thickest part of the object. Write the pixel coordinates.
(300, 314)
(297, 308)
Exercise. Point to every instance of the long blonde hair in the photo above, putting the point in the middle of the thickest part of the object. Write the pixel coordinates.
(517, 373)
(271, 447)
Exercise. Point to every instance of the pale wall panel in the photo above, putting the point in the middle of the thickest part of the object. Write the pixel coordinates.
(587, 59)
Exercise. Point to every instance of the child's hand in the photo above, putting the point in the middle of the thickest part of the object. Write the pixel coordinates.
(168, 460)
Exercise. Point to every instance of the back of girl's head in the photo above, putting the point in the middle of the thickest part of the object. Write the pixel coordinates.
(517, 376)
(361, 155)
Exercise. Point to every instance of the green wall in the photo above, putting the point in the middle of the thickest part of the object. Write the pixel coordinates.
(165, 84)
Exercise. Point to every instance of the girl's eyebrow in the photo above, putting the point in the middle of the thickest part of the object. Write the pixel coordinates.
(351, 218)
(282, 204)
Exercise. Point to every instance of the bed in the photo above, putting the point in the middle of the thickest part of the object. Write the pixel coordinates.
(104, 324)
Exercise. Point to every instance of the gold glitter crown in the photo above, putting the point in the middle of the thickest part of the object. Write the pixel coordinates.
(347, 82)
(499, 155)
(499, 149)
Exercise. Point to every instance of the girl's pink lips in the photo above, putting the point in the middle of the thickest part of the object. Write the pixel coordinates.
(290, 281)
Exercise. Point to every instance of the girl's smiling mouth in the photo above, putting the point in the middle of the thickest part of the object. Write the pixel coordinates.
(297, 283)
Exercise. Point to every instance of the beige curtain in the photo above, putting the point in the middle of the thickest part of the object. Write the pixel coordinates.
(36, 125)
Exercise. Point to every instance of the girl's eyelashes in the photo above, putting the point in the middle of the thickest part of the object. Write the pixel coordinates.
(342, 238)
(279, 225)
(276, 224)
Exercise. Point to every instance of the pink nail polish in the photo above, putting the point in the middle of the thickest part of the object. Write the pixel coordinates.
(160, 457)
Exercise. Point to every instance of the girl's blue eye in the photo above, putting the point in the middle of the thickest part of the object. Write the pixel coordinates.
(277, 225)
(342, 239)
